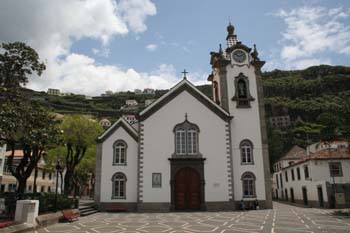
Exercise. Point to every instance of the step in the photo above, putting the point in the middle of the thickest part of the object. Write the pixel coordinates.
(82, 208)
(83, 214)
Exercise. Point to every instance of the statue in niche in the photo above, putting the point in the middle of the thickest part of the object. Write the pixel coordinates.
(242, 89)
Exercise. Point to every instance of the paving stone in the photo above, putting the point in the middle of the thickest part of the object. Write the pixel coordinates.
(282, 219)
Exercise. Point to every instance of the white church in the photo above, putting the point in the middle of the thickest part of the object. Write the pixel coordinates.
(189, 152)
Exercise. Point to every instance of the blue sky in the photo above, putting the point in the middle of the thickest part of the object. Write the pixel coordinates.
(93, 46)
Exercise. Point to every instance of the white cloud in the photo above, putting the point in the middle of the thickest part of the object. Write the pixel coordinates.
(311, 34)
(103, 52)
(134, 13)
(151, 47)
(52, 27)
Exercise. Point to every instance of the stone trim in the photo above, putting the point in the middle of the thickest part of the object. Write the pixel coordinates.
(177, 164)
(230, 162)
(191, 90)
(236, 97)
(263, 204)
(140, 164)
(220, 206)
(153, 207)
(115, 127)
(251, 152)
(125, 153)
(239, 45)
(129, 206)
(263, 131)
(98, 172)
(223, 88)
(124, 185)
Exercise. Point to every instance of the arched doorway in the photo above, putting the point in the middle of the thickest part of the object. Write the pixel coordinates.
(187, 189)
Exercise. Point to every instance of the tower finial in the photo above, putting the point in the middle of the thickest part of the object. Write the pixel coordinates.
(231, 38)
(184, 72)
(220, 49)
(255, 52)
(186, 116)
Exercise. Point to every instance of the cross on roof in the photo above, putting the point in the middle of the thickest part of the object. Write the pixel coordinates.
(184, 72)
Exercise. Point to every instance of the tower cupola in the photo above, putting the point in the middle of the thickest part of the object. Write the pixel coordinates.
(231, 38)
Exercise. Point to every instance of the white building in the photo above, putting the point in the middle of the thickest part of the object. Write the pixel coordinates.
(104, 122)
(138, 91)
(280, 121)
(191, 152)
(314, 179)
(52, 91)
(131, 103)
(148, 91)
(130, 118)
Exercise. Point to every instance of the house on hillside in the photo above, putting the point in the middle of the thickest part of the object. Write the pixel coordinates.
(52, 91)
(131, 102)
(105, 123)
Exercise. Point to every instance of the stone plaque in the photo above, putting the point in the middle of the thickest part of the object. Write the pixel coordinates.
(340, 198)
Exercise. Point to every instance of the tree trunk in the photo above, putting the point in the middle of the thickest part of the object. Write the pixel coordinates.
(21, 187)
(68, 181)
(61, 176)
(35, 177)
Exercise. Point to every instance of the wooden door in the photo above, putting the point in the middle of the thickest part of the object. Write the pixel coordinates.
(187, 189)
(320, 196)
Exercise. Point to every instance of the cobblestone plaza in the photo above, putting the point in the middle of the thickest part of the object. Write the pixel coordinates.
(283, 218)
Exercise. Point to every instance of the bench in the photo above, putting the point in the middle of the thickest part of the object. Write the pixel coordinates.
(5, 224)
(115, 207)
(71, 215)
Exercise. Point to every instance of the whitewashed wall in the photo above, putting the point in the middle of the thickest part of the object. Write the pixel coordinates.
(159, 146)
(108, 169)
(246, 125)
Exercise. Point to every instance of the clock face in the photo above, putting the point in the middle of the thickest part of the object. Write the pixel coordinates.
(239, 56)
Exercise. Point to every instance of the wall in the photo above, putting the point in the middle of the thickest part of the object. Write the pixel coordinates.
(108, 169)
(159, 145)
(246, 125)
(319, 176)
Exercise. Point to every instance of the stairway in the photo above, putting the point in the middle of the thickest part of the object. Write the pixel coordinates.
(86, 208)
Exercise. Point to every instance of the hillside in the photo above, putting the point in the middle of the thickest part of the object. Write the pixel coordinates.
(316, 99)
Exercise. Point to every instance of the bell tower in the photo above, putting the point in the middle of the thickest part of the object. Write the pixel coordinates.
(237, 88)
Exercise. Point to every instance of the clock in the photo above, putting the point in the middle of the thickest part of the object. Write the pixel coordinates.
(239, 56)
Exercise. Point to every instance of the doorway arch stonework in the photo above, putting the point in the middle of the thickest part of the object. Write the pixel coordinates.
(191, 169)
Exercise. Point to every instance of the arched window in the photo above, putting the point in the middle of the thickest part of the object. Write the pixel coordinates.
(186, 138)
(246, 148)
(242, 92)
(180, 141)
(119, 186)
(248, 183)
(192, 141)
(119, 157)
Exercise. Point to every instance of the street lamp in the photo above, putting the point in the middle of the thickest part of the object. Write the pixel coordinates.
(58, 169)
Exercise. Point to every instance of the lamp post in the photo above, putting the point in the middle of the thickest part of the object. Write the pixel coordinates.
(58, 168)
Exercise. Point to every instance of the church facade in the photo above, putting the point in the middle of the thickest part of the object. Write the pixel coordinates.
(189, 152)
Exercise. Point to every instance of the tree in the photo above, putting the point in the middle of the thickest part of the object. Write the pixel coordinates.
(23, 124)
(79, 133)
(85, 171)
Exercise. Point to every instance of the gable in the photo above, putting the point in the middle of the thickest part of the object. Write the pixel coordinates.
(111, 130)
(193, 91)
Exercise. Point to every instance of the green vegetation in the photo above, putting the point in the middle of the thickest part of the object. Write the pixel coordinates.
(317, 100)
(23, 124)
(79, 135)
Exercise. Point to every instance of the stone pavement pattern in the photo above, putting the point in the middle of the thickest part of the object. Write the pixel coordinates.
(283, 218)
